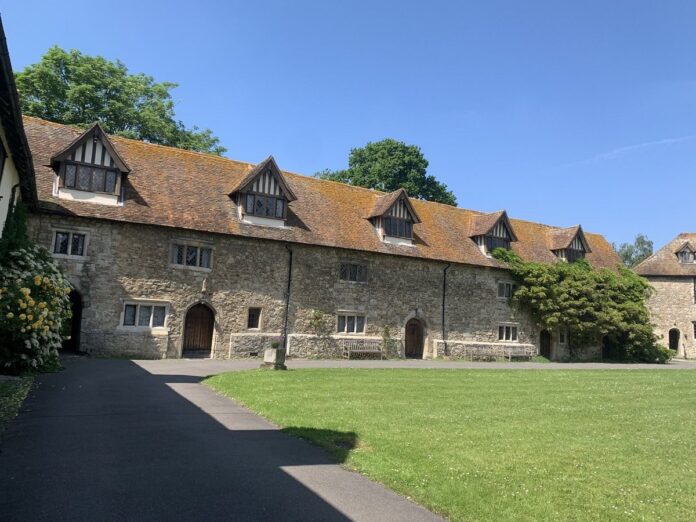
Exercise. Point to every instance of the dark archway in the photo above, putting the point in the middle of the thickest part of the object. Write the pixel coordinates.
(545, 344)
(674, 335)
(71, 341)
(414, 339)
(198, 331)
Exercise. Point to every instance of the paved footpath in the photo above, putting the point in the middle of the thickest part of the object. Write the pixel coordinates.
(143, 440)
(109, 440)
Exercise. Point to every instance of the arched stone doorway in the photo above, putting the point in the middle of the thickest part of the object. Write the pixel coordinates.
(71, 342)
(545, 344)
(674, 335)
(198, 331)
(414, 339)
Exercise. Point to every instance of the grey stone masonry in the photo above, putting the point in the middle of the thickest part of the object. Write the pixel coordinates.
(131, 264)
(673, 308)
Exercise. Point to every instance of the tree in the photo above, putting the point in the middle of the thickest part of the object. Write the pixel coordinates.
(593, 306)
(389, 165)
(633, 253)
(77, 89)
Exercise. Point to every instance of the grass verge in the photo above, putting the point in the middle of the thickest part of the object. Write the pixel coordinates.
(503, 444)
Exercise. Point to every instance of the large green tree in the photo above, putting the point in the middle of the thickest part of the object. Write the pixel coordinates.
(77, 89)
(633, 253)
(389, 165)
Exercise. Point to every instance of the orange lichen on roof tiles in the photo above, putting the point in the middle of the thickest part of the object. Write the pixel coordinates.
(191, 190)
(665, 262)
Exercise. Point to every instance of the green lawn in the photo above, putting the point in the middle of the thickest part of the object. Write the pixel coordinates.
(12, 393)
(499, 444)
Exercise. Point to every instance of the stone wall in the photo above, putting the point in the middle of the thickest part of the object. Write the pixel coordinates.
(126, 262)
(673, 306)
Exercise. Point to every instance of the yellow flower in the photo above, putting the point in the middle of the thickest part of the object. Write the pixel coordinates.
(45, 329)
(22, 316)
(25, 291)
(23, 330)
(31, 302)
(22, 304)
(37, 280)
(46, 280)
(10, 315)
(29, 317)
(66, 290)
(42, 305)
(50, 323)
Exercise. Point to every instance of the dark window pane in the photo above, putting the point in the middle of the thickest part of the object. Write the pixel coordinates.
(110, 182)
(280, 208)
(205, 257)
(514, 333)
(360, 324)
(129, 315)
(260, 206)
(409, 230)
(353, 273)
(70, 171)
(344, 271)
(501, 333)
(254, 316)
(84, 177)
(270, 206)
(144, 315)
(98, 178)
(350, 323)
(178, 254)
(501, 289)
(362, 273)
(158, 315)
(77, 246)
(341, 323)
(191, 256)
(249, 204)
(62, 240)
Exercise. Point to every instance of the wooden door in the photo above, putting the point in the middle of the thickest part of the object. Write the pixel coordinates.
(545, 344)
(414, 339)
(198, 331)
(674, 336)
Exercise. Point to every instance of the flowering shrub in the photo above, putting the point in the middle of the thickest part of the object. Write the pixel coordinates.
(34, 305)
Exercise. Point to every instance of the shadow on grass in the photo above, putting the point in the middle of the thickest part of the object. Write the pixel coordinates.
(337, 443)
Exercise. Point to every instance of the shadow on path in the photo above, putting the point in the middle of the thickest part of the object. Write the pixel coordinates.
(106, 440)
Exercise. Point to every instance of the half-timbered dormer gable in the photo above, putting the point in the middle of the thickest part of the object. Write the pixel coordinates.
(393, 217)
(262, 196)
(90, 169)
(686, 254)
(491, 231)
(569, 244)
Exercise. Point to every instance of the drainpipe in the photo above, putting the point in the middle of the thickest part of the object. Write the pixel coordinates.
(444, 307)
(287, 299)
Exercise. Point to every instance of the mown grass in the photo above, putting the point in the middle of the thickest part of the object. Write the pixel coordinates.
(12, 393)
(500, 444)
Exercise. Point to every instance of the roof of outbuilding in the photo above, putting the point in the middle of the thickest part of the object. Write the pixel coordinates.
(190, 190)
(664, 262)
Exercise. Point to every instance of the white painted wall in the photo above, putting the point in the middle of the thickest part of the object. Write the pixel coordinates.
(10, 178)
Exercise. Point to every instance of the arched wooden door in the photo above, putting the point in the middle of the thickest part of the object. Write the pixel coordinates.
(674, 335)
(198, 331)
(414, 339)
(545, 344)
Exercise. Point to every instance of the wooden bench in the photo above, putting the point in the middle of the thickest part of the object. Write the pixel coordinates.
(361, 347)
(526, 352)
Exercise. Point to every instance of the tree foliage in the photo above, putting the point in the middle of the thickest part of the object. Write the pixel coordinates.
(388, 165)
(77, 89)
(633, 253)
(594, 306)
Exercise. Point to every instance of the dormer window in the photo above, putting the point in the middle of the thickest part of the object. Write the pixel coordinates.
(569, 244)
(491, 231)
(393, 217)
(686, 255)
(90, 169)
(262, 196)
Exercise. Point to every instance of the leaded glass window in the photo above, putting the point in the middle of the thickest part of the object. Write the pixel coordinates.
(507, 333)
(144, 315)
(191, 256)
(398, 227)
(77, 245)
(70, 172)
(90, 178)
(204, 261)
(264, 206)
(129, 315)
(62, 243)
(159, 313)
(110, 182)
(351, 324)
(84, 178)
(353, 272)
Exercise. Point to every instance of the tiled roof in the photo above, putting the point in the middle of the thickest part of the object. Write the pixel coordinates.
(664, 262)
(384, 202)
(189, 190)
(483, 223)
(562, 238)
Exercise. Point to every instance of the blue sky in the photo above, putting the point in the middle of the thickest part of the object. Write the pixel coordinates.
(559, 112)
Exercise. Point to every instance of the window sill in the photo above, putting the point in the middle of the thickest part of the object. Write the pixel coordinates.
(263, 221)
(400, 241)
(155, 331)
(69, 257)
(192, 268)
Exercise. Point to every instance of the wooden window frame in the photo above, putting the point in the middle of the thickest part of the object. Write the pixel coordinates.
(78, 164)
(243, 204)
(683, 253)
(407, 227)
(138, 304)
(492, 242)
(344, 317)
(508, 333)
(508, 289)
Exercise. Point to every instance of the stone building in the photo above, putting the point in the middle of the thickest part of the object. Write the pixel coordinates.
(16, 174)
(176, 253)
(672, 273)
